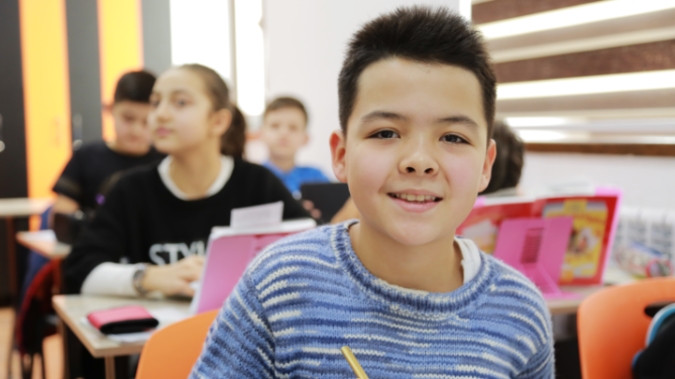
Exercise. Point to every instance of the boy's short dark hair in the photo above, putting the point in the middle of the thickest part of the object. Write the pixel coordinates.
(134, 86)
(286, 102)
(420, 34)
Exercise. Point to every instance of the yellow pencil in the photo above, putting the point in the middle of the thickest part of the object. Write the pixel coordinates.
(353, 362)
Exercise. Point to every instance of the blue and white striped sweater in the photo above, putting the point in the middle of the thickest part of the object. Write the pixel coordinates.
(308, 295)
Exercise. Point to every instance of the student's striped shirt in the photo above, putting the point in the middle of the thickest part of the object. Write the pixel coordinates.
(306, 296)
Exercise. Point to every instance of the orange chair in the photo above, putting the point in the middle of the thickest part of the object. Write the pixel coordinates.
(172, 351)
(612, 326)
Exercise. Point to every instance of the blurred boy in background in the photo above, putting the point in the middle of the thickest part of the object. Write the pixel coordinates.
(91, 170)
(284, 131)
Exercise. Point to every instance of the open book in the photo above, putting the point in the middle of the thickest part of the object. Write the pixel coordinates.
(594, 215)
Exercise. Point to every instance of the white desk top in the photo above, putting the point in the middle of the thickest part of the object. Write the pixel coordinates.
(23, 207)
(44, 243)
(73, 309)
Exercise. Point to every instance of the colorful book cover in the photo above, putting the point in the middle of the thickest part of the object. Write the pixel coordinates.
(595, 220)
(585, 246)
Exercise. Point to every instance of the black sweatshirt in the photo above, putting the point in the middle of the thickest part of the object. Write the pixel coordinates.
(91, 172)
(141, 221)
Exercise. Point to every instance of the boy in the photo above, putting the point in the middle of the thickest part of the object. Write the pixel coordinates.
(416, 103)
(284, 131)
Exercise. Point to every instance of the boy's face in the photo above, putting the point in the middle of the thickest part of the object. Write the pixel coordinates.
(284, 132)
(132, 135)
(415, 155)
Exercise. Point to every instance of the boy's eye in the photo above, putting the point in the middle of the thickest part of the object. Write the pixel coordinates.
(181, 102)
(452, 138)
(385, 134)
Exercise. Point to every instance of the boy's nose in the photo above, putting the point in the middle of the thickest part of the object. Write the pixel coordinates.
(419, 161)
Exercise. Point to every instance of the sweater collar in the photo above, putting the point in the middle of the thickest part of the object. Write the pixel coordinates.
(406, 301)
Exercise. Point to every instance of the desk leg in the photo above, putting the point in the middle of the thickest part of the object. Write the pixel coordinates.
(13, 292)
(11, 260)
(71, 352)
(110, 368)
(117, 367)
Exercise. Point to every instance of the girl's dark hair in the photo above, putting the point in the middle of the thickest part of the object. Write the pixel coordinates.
(233, 140)
(134, 86)
(420, 34)
(508, 164)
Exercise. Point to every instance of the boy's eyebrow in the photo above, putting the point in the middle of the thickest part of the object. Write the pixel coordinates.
(458, 119)
(383, 114)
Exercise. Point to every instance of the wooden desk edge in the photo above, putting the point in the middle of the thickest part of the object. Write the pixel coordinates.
(35, 206)
(571, 305)
(60, 250)
(121, 349)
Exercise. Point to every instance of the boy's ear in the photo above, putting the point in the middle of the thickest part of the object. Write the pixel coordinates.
(337, 152)
(486, 173)
(221, 121)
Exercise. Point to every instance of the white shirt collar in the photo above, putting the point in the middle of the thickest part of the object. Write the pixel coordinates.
(226, 167)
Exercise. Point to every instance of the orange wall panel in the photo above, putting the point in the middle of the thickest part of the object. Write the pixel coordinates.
(121, 48)
(44, 53)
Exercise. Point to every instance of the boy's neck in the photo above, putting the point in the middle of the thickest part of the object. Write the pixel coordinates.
(435, 267)
(284, 164)
(194, 172)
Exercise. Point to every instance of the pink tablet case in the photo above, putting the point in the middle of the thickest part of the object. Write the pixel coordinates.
(536, 247)
(228, 258)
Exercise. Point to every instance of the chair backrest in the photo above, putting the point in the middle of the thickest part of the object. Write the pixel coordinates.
(172, 351)
(612, 326)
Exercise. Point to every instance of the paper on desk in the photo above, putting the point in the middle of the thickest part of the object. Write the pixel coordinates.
(166, 316)
(256, 216)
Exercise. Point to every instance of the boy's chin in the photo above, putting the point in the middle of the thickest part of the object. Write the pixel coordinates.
(412, 235)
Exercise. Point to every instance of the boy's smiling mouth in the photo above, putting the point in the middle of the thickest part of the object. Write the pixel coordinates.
(415, 198)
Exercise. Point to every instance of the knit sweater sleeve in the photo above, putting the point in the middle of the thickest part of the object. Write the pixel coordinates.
(541, 364)
(240, 343)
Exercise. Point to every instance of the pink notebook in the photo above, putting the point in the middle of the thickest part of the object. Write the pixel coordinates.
(229, 252)
(536, 247)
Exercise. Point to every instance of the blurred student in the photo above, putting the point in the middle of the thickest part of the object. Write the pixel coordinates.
(508, 166)
(150, 234)
(93, 167)
(284, 131)
(416, 105)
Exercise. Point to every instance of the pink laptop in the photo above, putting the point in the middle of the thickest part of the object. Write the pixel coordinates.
(229, 252)
(536, 247)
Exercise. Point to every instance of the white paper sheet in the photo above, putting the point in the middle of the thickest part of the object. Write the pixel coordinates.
(257, 216)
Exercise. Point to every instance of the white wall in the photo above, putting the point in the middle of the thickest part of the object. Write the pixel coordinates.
(200, 33)
(305, 41)
(646, 181)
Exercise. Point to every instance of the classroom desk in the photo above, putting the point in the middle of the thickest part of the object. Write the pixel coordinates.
(72, 309)
(44, 243)
(9, 209)
(569, 305)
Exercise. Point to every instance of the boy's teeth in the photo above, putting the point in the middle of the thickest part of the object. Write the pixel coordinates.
(416, 198)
